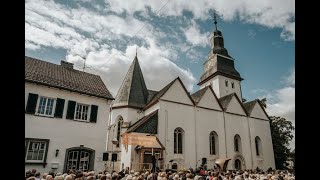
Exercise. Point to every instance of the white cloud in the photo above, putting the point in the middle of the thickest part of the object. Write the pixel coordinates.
(157, 69)
(270, 13)
(194, 36)
(282, 102)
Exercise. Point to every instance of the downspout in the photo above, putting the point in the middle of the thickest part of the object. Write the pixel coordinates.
(250, 143)
(225, 132)
(195, 132)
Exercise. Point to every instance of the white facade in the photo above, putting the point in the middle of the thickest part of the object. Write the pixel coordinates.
(65, 133)
(177, 110)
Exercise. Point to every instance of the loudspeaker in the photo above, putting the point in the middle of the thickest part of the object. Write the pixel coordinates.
(105, 156)
(204, 160)
(114, 157)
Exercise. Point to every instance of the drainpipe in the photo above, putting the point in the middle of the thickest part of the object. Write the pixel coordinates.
(195, 132)
(250, 143)
(225, 132)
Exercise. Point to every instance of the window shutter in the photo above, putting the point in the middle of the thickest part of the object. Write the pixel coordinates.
(32, 103)
(94, 113)
(71, 109)
(59, 108)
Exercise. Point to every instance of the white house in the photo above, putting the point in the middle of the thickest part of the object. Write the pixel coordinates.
(66, 114)
(191, 129)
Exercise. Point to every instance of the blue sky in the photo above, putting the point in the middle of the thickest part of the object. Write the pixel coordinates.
(172, 39)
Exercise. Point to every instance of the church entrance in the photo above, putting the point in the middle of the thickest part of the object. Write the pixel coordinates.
(237, 164)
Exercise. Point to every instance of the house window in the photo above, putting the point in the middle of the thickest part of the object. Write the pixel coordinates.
(232, 85)
(258, 145)
(45, 106)
(226, 83)
(36, 150)
(81, 159)
(82, 111)
(178, 139)
(213, 140)
(237, 143)
(119, 130)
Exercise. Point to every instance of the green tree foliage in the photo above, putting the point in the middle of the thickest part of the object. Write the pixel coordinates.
(281, 132)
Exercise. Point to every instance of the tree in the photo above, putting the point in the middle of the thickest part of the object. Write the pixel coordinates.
(281, 132)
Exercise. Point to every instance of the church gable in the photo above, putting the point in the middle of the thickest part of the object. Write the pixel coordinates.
(209, 100)
(147, 124)
(258, 112)
(234, 106)
(177, 93)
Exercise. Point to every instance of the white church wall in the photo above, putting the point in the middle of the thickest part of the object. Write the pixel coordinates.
(209, 101)
(151, 109)
(176, 93)
(235, 107)
(261, 128)
(206, 122)
(257, 112)
(182, 116)
(236, 124)
(64, 133)
(228, 90)
(214, 82)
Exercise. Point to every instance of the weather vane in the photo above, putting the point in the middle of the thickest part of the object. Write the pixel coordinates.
(215, 20)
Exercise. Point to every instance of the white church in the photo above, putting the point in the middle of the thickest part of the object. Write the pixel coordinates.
(191, 129)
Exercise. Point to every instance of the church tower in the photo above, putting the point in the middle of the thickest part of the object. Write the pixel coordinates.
(219, 70)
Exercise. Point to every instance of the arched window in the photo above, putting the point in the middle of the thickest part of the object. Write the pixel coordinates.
(258, 145)
(232, 85)
(120, 121)
(178, 140)
(237, 143)
(226, 83)
(237, 164)
(174, 166)
(213, 140)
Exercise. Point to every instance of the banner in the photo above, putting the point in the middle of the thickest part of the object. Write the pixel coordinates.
(140, 139)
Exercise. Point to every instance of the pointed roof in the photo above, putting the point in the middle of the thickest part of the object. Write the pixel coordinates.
(250, 105)
(133, 91)
(225, 101)
(147, 124)
(198, 95)
(157, 96)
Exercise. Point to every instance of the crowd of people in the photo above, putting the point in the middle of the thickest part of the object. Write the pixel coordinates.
(190, 174)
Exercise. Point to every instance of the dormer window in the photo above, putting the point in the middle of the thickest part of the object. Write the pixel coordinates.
(232, 85)
(226, 83)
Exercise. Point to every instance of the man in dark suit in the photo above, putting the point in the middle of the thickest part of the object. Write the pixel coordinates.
(153, 164)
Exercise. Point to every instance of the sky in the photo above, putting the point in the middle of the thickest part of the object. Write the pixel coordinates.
(171, 38)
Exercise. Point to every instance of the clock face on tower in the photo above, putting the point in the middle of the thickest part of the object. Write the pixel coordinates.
(208, 65)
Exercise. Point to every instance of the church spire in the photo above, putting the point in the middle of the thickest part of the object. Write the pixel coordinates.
(215, 20)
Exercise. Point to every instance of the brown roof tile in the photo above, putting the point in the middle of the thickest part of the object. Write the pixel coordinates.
(49, 74)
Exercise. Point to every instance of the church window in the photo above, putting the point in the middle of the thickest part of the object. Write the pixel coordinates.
(258, 146)
(178, 140)
(237, 143)
(232, 85)
(226, 83)
(213, 139)
(119, 130)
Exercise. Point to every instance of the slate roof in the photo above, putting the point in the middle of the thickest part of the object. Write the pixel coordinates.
(151, 94)
(225, 100)
(161, 92)
(54, 75)
(133, 91)
(222, 66)
(147, 124)
(198, 95)
(249, 105)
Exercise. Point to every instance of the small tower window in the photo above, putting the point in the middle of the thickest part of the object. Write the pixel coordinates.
(226, 83)
(232, 85)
